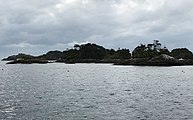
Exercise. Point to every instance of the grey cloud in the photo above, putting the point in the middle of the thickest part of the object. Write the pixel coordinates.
(39, 25)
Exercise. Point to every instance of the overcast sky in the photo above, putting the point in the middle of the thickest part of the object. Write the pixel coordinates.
(37, 26)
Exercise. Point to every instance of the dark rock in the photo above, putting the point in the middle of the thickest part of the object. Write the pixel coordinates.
(161, 60)
(30, 61)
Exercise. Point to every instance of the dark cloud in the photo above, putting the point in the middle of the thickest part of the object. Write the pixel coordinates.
(38, 26)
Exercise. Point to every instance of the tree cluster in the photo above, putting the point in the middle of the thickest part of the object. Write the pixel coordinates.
(142, 51)
(87, 51)
(97, 52)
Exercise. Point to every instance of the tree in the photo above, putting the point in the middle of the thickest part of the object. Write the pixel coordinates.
(71, 54)
(183, 53)
(124, 54)
(53, 55)
(77, 47)
(149, 51)
(92, 51)
(139, 51)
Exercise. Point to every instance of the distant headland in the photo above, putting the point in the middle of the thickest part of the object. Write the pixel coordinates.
(153, 54)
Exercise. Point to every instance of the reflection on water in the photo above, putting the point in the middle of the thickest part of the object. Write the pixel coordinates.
(95, 91)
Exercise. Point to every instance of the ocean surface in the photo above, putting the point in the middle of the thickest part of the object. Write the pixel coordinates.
(95, 91)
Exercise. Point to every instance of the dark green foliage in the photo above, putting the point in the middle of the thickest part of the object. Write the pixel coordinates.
(138, 51)
(183, 53)
(92, 51)
(149, 51)
(164, 51)
(110, 53)
(119, 54)
(71, 54)
(87, 51)
(141, 51)
(19, 56)
(123, 54)
(53, 55)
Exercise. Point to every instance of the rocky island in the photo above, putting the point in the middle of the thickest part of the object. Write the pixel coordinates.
(144, 55)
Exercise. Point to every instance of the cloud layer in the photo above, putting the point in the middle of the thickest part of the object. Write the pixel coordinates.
(38, 26)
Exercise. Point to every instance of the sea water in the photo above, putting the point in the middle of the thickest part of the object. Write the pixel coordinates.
(95, 91)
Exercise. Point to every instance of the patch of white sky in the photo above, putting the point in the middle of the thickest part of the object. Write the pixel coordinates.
(124, 6)
(76, 42)
(120, 6)
(21, 45)
(64, 4)
(61, 7)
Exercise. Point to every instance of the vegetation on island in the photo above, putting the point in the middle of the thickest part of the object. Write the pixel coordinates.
(150, 54)
(150, 50)
(19, 56)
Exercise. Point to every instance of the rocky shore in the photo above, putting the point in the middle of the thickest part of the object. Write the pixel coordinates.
(162, 60)
(28, 61)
